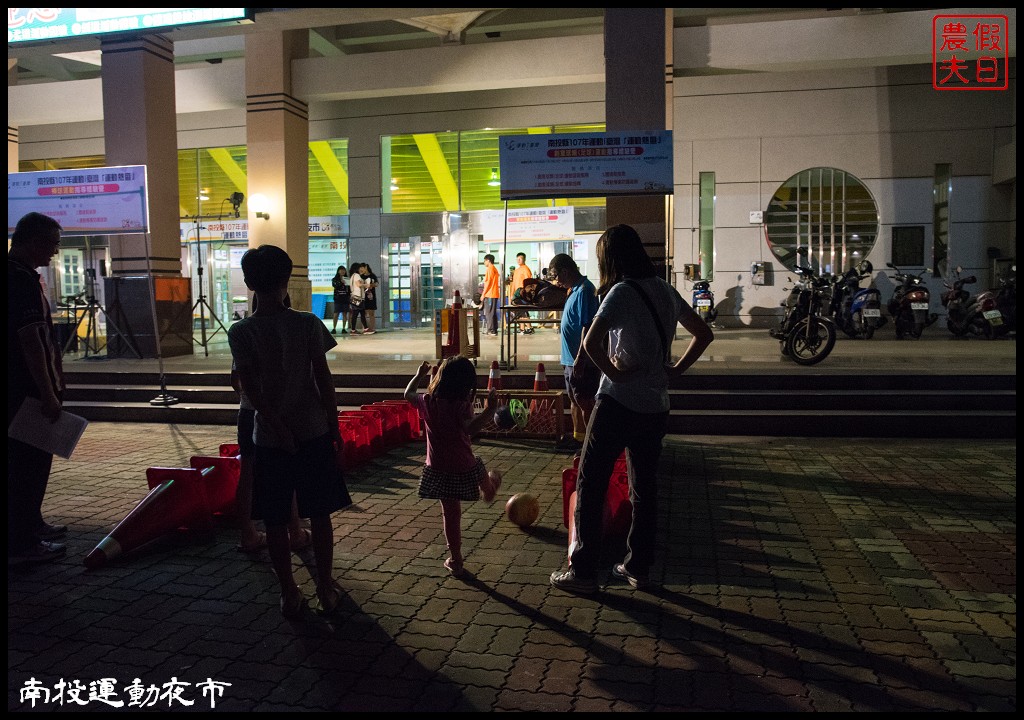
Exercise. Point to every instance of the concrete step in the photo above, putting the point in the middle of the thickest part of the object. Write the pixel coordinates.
(812, 405)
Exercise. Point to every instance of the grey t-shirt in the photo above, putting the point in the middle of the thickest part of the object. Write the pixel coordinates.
(279, 349)
(633, 339)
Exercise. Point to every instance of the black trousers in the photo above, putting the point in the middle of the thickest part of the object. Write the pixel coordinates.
(28, 472)
(612, 429)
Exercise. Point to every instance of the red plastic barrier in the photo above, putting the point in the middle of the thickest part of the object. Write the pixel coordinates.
(360, 429)
(406, 429)
(222, 483)
(412, 416)
(351, 438)
(391, 422)
(618, 510)
(229, 450)
(375, 424)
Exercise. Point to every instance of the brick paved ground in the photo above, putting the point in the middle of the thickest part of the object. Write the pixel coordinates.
(794, 575)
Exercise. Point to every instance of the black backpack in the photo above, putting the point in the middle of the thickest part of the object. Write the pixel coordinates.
(540, 293)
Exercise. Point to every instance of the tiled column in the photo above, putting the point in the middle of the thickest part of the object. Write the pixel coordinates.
(140, 128)
(638, 96)
(277, 135)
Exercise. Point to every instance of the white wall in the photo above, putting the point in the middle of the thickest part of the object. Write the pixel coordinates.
(888, 127)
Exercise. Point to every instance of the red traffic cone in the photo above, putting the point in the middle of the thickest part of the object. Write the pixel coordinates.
(176, 502)
(540, 379)
(494, 377)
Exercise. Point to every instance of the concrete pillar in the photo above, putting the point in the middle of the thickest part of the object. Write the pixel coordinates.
(12, 130)
(638, 96)
(140, 128)
(277, 136)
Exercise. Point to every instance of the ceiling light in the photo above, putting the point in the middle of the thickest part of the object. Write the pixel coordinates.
(394, 184)
(494, 182)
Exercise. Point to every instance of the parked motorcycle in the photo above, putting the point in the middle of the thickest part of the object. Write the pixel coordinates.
(857, 311)
(909, 304)
(704, 302)
(962, 313)
(998, 308)
(805, 334)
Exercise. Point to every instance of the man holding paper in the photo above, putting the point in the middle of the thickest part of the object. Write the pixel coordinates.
(33, 370)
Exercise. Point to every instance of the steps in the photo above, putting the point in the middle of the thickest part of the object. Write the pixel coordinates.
(753, 404)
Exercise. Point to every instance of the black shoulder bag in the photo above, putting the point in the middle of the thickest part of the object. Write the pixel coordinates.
(584, 378)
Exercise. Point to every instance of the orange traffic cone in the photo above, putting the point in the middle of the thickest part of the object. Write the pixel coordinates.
(494, 377)
(175, 502)
(540, 379)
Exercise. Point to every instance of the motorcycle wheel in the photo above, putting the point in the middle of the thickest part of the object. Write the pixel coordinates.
(869, 332)
(956, 329)
(915, 330)
(811, 341)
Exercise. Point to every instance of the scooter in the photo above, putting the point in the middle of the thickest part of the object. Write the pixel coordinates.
(998, 307)
(704, 302)
(962, 314)
(909, 304)
(857, 311)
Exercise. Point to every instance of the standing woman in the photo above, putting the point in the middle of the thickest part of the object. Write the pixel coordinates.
(369, 300)
(342, 299)
(358, 297)
(630, 340)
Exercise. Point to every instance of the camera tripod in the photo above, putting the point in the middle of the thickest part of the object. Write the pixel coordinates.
(90, 340)
(204, 306)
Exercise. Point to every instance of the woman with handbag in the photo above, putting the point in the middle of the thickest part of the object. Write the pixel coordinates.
(581, 375)
(630, 342)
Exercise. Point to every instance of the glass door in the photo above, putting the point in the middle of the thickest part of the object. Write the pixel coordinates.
(431, 276)
(415, 280)
(399, 290)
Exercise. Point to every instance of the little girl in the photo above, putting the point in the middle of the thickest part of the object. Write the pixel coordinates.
(452, 473)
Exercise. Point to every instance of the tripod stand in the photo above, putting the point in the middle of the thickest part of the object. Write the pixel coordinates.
(202, 304)
(91, 343)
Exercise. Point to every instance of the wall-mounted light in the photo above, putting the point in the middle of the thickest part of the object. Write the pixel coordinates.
(260, 205)
(494, 182)
(394, 184)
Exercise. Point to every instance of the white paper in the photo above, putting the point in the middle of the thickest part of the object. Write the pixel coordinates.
(30, 426)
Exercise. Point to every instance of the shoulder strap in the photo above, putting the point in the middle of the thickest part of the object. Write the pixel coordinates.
(654, 314)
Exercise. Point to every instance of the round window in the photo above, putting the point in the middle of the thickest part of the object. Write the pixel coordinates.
(823, 218)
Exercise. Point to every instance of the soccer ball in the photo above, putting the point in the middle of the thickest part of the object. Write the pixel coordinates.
(512, 416)
(522, 509)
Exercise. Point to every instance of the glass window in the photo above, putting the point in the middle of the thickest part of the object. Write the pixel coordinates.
(941, 191)
(456, 171)
(707, 226)
(908, 246)
(825, 214)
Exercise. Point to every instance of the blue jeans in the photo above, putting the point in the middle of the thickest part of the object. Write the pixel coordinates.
(612, 429)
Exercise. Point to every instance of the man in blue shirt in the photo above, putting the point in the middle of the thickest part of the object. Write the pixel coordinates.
(580, 306)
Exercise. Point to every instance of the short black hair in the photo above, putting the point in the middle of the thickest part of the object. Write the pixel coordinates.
(561, 261)
(521, 255)
(490, 257)
(266, 268)
(32, 226)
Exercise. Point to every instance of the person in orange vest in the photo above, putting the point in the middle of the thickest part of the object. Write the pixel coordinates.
(491, 294)
(519, 275)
